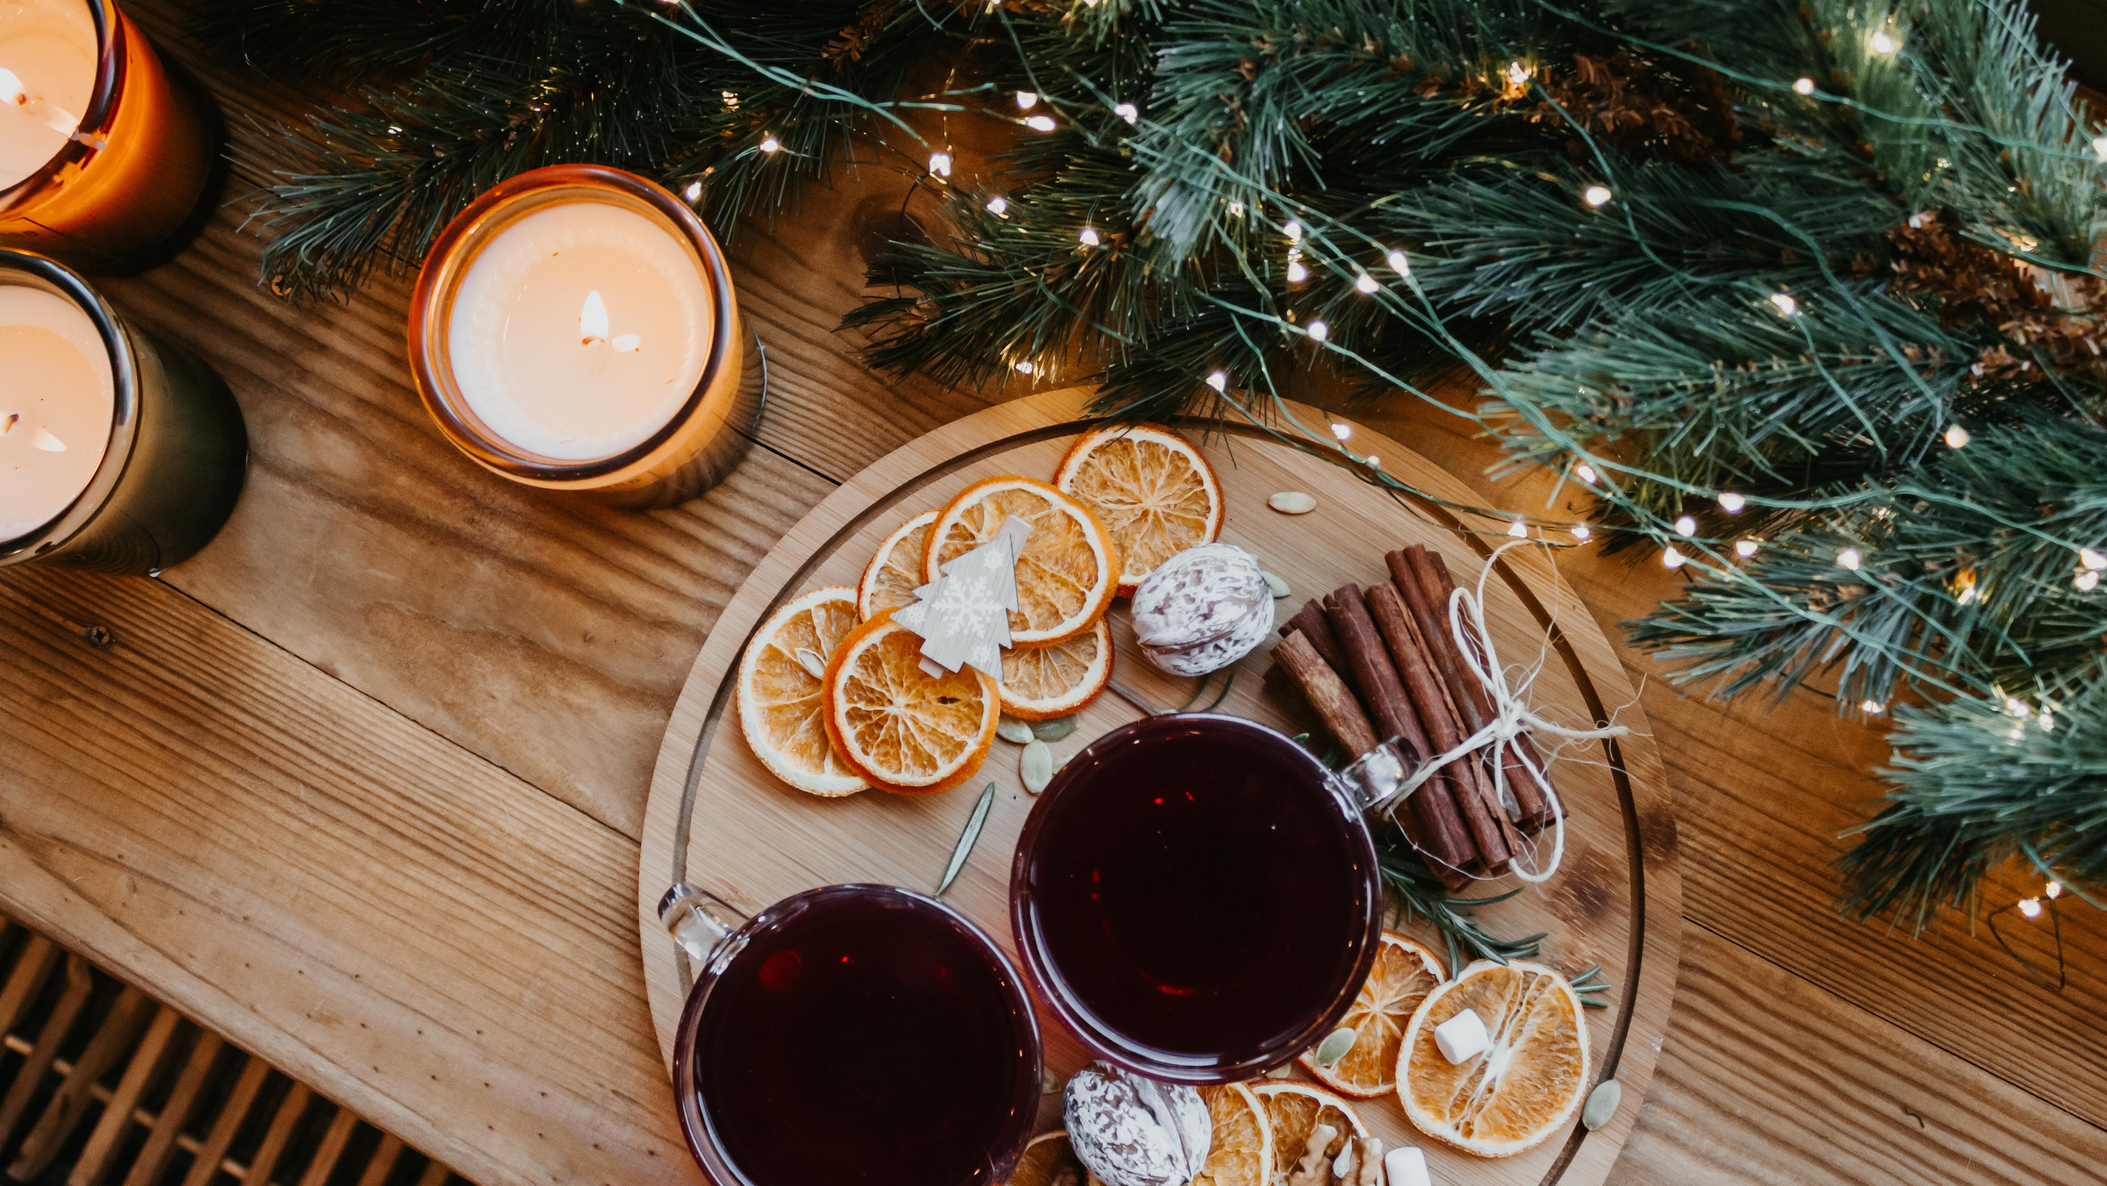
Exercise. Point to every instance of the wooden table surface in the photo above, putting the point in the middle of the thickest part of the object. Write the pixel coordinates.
(360, 786)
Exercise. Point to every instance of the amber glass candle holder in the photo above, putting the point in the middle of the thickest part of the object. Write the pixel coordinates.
(130, 176)
(692, 451)
(177, 452)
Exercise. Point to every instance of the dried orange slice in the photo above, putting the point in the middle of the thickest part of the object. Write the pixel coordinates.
(780, 694)
(1067, 572)
(1293, 1112)
(892, 576)
(1403, 975)
(1040, 683)
(1521, 1088)
(1241, 1153)
(1151, 487)
(1049, 1160)
(899, 727)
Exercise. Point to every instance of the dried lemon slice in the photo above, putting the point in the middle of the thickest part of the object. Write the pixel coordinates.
(1068, 570)
(1153, 490)
(780, 693)
(898, 726)
(892, 576)
(1522, 1087)
(1403, 975)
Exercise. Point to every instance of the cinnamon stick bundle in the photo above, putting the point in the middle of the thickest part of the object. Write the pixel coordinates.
(1423, 580)
(1317, 629)
(1491, 829)
(1369, 669)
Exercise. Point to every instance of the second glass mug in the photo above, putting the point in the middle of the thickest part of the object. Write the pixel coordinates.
(850, 1033)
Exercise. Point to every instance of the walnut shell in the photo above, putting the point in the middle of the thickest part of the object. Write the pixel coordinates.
(1134, 1131)
(1203, 609)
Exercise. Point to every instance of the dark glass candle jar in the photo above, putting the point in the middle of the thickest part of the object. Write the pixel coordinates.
(173, 461)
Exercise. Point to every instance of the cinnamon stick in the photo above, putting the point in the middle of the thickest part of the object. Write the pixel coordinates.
(1533, 804)
(1369, 668)
(1335, 705)
(1490, 828)
(1317, 628)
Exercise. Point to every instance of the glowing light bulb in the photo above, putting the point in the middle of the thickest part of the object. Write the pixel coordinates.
(769, 143)
(693, 191)
(2091, 559)
(1871, 707)
(999, 206)
(1597, 195)
(1089, 236)
(1365, 284)
(1785, 304)
(1731, 502)
(1342, 432)
(1585, 472)
(1882, 43)
(1040, 123)
(1026, 100)
(2086, 581)
(2017, 707)
(1670, 558)
(1219, 380)
(2047, 721)
(1746, 547)
(1518, 529)
(1024, 367)
(1804, 86)
(1581, 532)
(1849, 558)
(1398, 263)
(2031, 907)
(1293, 231)
(1517, 73)
(1236, 209)
(1128, 112)
(1318, 331)
(940, 163)
(1957, 437)
(1685, 525)
(1296, 272)
(2099, 147)
(1373, 461)
(2053, 889)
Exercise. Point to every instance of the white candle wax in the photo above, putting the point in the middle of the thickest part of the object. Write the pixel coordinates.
(579, 330)
(56, 400)
(47, 74)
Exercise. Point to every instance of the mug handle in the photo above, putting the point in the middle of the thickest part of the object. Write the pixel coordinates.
(702, 924)
(1376, 779)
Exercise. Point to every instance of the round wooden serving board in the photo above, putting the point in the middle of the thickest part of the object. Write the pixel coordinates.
(717, 818)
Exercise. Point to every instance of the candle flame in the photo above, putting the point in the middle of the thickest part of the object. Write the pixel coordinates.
(592, 319)
(56, 118)
(48, 443)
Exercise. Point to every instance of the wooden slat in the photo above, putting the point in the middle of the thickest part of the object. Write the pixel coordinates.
(23, 983)
(153, 1157)
(96, 1155)
(69, 1105)
(382, 1163)
(331, 1149)
(434, 1174)
(28, 1076)
(213, 1149)
(275, 1138)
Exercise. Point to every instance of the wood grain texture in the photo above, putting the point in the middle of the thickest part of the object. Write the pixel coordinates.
(724, 823)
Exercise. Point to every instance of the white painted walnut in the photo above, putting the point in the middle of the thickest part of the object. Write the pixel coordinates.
(1132, 1131)
(1203, 609)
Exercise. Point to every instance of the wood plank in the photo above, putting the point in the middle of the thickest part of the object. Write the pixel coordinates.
(69, 1104)
(28, 1076)
(1767, 1078)
(95, 1160)
(232, 1112)
(1762, 795)
(425, 938)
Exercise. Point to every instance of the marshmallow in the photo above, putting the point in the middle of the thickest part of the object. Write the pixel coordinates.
(1406, 1167)
(1461, 1036)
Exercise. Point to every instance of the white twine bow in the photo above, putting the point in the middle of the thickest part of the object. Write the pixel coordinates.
(1511, 716)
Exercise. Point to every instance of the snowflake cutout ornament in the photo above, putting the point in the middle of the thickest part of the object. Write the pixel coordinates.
(963, 615)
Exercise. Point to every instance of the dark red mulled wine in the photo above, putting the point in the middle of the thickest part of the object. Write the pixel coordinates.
(860, 1035)
(1196, 898)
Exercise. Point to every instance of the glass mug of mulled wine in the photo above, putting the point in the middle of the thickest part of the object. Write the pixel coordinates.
(852, 1033)
(1197, 897)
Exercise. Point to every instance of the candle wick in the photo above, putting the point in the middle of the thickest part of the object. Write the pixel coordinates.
(52, 116)
(8, 425)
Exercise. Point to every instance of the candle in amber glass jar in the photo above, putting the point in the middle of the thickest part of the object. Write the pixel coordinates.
(102, 156)
(575, 329)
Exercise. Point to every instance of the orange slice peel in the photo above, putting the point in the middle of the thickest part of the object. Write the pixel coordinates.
(902, 729)
(1153, 489)
(1526, 1085)
(895, 572)
(1404, 973)
(781, 692)
(1040, 683)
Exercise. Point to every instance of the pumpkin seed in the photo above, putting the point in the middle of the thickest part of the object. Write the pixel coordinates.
(1280, 1072)
(1602, 1104)
(1035, 766)
(1278, 586)
(812, 661)
(964, 847)
(1335, 1045)
(1055, 729)
(1047, 1083)
(1013, 730)
(1292, 502)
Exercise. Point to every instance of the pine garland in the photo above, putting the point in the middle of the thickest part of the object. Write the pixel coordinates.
(1806, 294)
